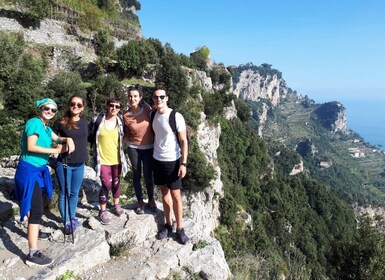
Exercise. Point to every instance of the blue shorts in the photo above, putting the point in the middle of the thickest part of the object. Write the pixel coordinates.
(166, 174)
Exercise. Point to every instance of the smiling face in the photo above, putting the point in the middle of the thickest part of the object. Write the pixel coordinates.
(47, 112)
(76, 106)
(134, 98)
(113, 108)
(160, 99)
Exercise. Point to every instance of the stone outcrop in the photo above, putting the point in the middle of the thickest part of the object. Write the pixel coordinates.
(332, 115)
(298, 168)
(148, 258)
(251, 85)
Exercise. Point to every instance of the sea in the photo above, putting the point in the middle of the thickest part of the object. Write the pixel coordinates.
(366, 116)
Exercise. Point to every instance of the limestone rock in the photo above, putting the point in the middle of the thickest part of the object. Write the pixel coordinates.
(332, 115)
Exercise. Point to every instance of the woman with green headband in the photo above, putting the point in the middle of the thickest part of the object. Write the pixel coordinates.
(32, 178)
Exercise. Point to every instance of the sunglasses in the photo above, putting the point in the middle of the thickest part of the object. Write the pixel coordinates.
(46, 108)
(74, 104)
(114, 106)
(159, 97)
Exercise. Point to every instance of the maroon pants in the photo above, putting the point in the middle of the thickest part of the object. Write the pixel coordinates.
(110, 177)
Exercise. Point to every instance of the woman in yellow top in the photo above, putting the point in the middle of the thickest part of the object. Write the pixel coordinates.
(109, 159)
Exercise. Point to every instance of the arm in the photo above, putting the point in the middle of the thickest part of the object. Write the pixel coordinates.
(34, 148)
(182, 135)
(70, 143)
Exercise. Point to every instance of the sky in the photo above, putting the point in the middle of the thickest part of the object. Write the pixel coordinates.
(330, 50)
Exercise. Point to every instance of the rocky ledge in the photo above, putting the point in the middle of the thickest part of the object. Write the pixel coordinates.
(88, 256)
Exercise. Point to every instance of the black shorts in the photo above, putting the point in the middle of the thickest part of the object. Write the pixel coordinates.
(166, 174)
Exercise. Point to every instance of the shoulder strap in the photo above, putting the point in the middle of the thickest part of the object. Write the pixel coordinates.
(94, 125)
(97, 122)
(172, 122)
(152, 116)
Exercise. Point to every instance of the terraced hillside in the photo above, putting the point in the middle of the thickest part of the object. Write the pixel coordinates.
(342, 160)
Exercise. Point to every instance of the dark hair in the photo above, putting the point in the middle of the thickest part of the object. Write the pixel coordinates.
(113, 100)
(67, 120)
(138, 88)
(159, 87)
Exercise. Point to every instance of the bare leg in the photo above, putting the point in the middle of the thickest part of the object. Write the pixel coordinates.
(178, 208)
(167, 203)
(116, 201)
(33, 233)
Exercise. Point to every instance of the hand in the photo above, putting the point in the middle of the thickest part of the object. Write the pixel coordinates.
(70, 145)
(59, 149)
(182, 171)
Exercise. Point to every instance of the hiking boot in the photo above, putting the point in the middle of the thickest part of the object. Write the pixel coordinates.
(104, 218)
(152, 206)
(140, 207)
(118, 210)
(164, 232)
(38, 259)
(182, 237)
(43, 235)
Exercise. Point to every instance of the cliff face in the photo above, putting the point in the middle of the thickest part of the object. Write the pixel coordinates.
(251, 85)
(258, 84)
(332, 115)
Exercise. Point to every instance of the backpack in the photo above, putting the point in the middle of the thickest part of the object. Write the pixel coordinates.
(92, 128)
(172, 122)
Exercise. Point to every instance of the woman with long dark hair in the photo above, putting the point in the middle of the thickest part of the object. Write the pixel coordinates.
(139, 139)
(75, 126)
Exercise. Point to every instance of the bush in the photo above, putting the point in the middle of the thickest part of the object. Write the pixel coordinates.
(200, 172)
(63, 86)
(10, 131)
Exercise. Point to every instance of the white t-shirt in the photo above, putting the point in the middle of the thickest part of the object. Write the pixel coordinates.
(166, 147)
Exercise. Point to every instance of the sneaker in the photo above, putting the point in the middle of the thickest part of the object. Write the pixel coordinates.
(76, 224)
(38, 259)
(182, 237)
(140, 207)
(118, 210)
(104, 218)
(152, 205)
(164, 232)
(68, 229)
(44, 235)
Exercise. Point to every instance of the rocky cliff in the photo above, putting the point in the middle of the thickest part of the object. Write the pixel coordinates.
(332, 115)
(264, 84)
(251, 83)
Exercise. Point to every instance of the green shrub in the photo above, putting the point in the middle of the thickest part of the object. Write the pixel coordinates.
(199, 171)
(199, 245)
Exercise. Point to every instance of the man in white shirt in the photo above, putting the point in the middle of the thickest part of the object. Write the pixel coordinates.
(170, 161)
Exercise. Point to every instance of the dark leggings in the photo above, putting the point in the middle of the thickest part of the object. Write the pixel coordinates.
(37, 207)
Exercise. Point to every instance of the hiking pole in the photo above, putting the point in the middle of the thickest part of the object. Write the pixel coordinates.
(67, 198)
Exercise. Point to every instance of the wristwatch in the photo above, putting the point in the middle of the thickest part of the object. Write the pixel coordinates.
(184, 164)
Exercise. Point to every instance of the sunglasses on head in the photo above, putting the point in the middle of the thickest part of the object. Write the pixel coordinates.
(74, 104)
(158, 97)
(115, 106)
(46, 108)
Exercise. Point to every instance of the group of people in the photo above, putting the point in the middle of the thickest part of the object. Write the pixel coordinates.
(154, 148)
